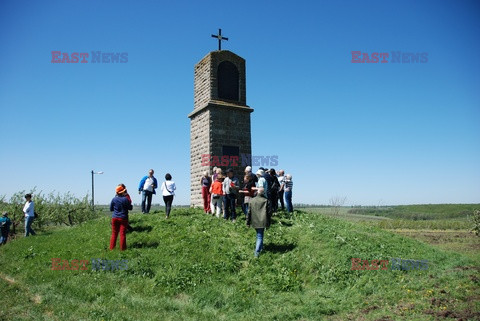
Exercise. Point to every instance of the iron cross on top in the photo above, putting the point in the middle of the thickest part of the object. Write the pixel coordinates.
(220, 38)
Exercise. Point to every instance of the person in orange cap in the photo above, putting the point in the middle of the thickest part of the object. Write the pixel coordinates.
(119, 207)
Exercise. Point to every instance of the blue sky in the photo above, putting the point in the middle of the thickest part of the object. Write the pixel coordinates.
(378, 134)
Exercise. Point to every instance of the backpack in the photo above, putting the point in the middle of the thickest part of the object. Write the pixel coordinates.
(275, 184)
(4, 223)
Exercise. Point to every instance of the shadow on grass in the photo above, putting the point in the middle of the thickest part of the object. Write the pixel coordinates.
(140, 245)
(141, 228)
(279, 248)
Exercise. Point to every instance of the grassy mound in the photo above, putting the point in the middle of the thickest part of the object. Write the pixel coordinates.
(197, 267)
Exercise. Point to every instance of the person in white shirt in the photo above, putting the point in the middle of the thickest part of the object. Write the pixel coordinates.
(262, 182)
(288, 186)
(281, 181)
(168, 191)
(29, 211)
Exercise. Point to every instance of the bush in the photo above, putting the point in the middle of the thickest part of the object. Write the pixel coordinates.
(52, 209)
(476, 222)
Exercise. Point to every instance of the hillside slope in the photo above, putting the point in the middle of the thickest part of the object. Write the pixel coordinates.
(197, 267)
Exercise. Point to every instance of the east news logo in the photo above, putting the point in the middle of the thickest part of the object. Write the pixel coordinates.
(97, 264)
(82, 57)
(359, 57)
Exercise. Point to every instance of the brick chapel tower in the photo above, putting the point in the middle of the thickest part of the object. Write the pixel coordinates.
(220, 120)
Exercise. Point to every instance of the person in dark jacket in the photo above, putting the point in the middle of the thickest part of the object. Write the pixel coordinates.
(247, 192)
(273, 197)
(258, 217)
(248, 171)
(268, 178)
(119, 207)
(4, 227)
(231, 185)
(129, 227)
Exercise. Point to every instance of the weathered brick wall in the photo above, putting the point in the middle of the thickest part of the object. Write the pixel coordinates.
(199, 144)
(230, 126)
(202, 83)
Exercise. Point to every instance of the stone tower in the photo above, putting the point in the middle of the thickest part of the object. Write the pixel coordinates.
(220, 120)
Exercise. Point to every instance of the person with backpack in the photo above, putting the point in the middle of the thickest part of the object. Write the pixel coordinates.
(4, 228)
(168, 191)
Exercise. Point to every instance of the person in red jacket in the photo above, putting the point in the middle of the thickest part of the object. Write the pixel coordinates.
(216, 191)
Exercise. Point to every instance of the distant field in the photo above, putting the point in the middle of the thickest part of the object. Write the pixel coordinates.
(446, 226)
(419, 212)
(436, 216)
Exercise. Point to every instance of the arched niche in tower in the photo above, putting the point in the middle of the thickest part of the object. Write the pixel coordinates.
(228, 81)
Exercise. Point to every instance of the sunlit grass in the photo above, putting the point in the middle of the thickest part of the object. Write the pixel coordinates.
(196, 267)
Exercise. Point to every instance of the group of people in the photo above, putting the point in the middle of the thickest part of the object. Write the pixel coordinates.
(122, 203)
(148, 185)
(29, 214)
(258, 196)
(222, 192)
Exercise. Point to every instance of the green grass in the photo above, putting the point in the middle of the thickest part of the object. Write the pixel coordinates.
(196, 267)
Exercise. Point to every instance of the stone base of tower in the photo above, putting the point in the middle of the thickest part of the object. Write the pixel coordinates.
(218, 129)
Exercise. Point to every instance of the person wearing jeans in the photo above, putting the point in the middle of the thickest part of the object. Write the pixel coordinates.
(5, 223)
(147, 187)
(168, 191)
(247, 192)
(259, 243)
(281, 191)
(288, 192)
(258, 217)
(120, 206)
(231, 186)
(216, 193)
(29, 211)
(230, 202)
